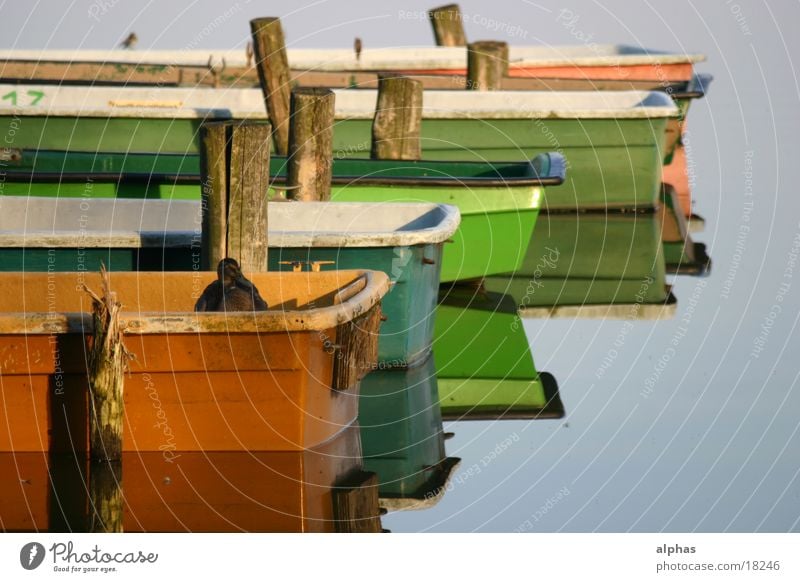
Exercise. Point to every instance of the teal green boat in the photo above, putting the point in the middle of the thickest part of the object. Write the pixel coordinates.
(403, 240)
(483, 360)
(614, 140)
(588, 261)
(402, 437)
(499, 202)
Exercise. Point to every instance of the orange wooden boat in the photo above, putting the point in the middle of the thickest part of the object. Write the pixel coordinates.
(281, 380)
(267, 491)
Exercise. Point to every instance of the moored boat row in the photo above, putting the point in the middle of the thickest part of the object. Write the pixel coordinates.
(392, 308)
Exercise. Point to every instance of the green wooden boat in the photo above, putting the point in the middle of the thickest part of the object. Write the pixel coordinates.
(401, 432)
(483, 360)
(589, 261)
(110, 73)
(403, 240)
(499, 202)
(683, 93)
(614, 141)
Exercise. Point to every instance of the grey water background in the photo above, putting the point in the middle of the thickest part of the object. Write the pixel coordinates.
(714, 445)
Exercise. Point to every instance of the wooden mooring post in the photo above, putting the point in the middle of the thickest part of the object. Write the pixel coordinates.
(397, 124)
(234, 169)
(107, 361)
(356, 506)
(487, 65)
(105, 510)
(448, 25)
(107, 364)
(310, 163)
(269, 47)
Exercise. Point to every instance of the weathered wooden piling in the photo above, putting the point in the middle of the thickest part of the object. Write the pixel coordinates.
(356, 348)
(272, 63)
(311, 144)
(448, 25)
(108, 360)
(107, 364)
(487, 65)
(234, 167)
(105, 511)
(355, 504)
(397, 124)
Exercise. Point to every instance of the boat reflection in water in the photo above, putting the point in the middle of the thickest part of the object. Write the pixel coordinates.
(226, 491)
(483, 360)
(227, 441)
(402, 435)
(593, 265)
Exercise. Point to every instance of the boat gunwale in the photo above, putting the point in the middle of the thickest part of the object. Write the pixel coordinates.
(449, 219)
(376, 285)
(650, 105)
(448, 56)
(351, 104)
(554, 177)
(679, 90)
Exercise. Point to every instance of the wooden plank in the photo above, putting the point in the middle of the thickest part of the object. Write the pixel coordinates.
(356, 507)
(487, 65)
(99, 73)
(311, 144)
(448, 25)
(356, 348)
(234, 172)
(128, 74)
(370, 80)
(273, 73)
(247, 198)
(397, 125)
(110, 74)
(214, 180)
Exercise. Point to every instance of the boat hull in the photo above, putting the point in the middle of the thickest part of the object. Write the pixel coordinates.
(199, 382)
(247, 491)
(614, 142)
